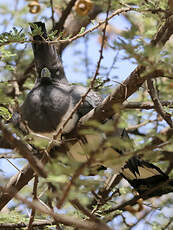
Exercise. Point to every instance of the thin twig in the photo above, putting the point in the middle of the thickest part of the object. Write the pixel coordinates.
(145, 105)
(140, 219)
(12, 164)
(168, 224)
(125, 222)
(31, 220)
(157, 104)
(78, 205)
(167, 25)
(139, 125)
(86, 59)
(69, 40)
(60, 24)
(52, 16)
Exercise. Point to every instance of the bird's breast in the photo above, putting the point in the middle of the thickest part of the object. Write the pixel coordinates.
(44, 108)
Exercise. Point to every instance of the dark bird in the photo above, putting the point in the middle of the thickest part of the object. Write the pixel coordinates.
(52, 97)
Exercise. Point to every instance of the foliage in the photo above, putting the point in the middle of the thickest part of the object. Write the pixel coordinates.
(126, 47)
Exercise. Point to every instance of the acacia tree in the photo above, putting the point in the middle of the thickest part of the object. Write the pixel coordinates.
(142, 104)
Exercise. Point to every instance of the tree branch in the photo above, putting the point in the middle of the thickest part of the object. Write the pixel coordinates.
(24, 150)
(164, 33)
(119, 95)
(60, 24)
(38, 223)
(17, 182)
(78, 205)
(157, 104)
(31, 220)
(145, 105)
(52, 16)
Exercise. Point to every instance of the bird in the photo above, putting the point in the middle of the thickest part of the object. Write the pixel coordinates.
(52, 98)
(50, 102)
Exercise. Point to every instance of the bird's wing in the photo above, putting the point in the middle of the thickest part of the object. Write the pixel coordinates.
(144, 176)
(46, 54)
(92, 100)
(141, 175)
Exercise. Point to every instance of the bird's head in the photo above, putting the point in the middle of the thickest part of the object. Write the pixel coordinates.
(45, 53)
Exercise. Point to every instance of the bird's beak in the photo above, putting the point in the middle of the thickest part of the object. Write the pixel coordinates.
(45, 73)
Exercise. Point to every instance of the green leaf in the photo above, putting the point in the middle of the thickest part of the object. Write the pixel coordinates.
(82, 30)
(5, 113)
(37, 30)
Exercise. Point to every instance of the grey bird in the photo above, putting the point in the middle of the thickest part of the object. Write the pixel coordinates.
(52, 97)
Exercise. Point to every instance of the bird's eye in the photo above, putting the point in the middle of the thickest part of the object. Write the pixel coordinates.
(45, 72)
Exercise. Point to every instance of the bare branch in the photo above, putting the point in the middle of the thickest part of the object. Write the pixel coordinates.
(133, 201)
(24, 151)
(31, 220)
(157, 104)
(17, 182)
(78, 205)
(119, 95)
(52, 16)
(12, 164)
(60, 24)
(38, 223)
(145, 105)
